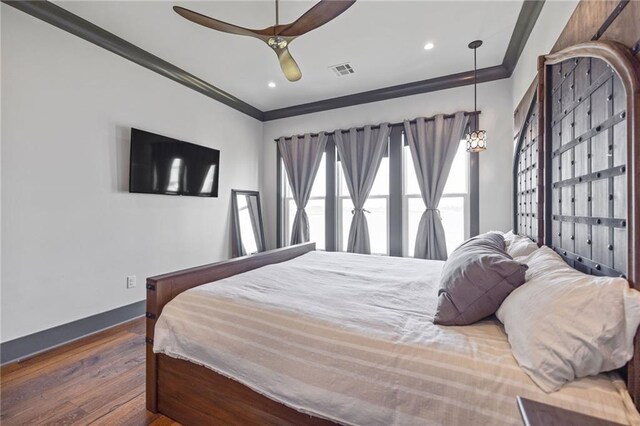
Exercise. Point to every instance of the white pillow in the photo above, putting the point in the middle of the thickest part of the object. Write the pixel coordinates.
(508, 238)
(563, 324)
(518, 245)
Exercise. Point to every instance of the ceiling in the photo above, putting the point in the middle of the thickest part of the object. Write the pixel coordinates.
(382, 40)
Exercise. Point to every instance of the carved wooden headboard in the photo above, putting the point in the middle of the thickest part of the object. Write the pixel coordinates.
(583, 183)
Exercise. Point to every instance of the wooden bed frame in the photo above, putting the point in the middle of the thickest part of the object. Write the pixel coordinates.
(192, 394)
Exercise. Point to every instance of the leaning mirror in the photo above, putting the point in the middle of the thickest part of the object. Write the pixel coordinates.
(247, 229)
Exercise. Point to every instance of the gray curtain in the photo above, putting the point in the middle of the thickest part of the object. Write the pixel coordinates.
(433, 144)
(361, 152)
(301, 157)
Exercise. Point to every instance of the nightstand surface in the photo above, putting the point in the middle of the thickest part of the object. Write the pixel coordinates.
(539, 414)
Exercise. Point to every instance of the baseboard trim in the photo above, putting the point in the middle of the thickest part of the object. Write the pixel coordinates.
(28, 346)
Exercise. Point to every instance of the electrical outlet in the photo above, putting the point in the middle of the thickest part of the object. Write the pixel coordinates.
(131, 281)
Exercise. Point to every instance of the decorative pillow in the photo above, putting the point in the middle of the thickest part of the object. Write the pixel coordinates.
(519, 245)
(563, 324)
(475, 280)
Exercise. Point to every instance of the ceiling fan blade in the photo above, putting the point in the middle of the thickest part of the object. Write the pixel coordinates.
(214, 23)
(288, 64)
(318, 15)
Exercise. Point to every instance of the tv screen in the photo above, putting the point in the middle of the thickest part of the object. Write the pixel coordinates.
(161, 165)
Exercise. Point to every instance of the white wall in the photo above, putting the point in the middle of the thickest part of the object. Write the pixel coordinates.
(71, 231)
(552, 20)
(494, 100)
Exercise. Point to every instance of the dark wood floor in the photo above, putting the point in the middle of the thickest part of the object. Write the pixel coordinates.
(98, 380)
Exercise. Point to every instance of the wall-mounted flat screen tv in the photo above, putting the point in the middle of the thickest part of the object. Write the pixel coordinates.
(162, 165)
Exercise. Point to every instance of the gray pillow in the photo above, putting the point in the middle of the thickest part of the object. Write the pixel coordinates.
(475, 280)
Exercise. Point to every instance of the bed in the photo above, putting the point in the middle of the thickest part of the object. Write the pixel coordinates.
(295, 336)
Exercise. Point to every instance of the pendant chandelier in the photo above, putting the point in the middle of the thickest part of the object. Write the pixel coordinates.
(476, 138)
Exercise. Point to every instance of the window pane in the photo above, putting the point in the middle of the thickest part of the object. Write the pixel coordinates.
(457, 180)
(377, 220)
(410, 179)
(381, 183)
(452, 212)
(319, 185)
(315, 212)
(459, 174)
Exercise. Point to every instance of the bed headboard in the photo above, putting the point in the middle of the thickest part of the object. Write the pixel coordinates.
(585, 124)
(589, 133)
(528, 165)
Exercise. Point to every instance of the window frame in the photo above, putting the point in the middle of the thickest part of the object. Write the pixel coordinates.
(397, 243)
(340, 198)
(286, 211)
(282, 233)
(466, 196)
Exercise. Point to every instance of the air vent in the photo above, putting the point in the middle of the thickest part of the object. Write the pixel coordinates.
(342, 69)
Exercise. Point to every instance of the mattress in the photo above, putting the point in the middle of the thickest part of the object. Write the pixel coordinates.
(351, 338)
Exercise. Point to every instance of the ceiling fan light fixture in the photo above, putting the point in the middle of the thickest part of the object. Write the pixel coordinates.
(476, 138)
(277, 42)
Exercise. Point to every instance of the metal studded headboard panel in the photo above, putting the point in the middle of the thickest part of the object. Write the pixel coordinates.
(586, 149)
(527, 167)
(591, 97)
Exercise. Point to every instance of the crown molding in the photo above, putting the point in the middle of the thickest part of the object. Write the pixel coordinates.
(67, 21)
(524, 25)
(431, 85)
(527, 19)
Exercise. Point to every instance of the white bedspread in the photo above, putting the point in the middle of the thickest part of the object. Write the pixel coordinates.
(350, 338)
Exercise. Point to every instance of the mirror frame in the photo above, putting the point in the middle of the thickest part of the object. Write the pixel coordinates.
(236, 238)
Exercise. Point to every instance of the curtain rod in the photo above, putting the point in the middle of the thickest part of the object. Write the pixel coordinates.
(401, 123)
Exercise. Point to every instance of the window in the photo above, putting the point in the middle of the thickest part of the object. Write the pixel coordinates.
(315, 207)
(394, 206)
(376, 206)
(453, 206)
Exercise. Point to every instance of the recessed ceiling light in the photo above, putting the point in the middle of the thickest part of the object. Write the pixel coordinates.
(272, 84)
(428, 46)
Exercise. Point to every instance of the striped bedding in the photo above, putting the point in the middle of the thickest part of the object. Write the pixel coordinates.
(350, 338)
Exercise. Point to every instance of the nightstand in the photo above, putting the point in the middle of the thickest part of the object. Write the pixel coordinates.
(538, 414)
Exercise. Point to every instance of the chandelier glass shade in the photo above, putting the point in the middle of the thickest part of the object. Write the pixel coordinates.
(477, 141)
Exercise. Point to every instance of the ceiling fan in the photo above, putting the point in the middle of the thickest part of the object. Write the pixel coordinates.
(278, 37)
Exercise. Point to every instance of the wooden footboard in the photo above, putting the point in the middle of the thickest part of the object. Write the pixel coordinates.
(163, 288)
(194, 395)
